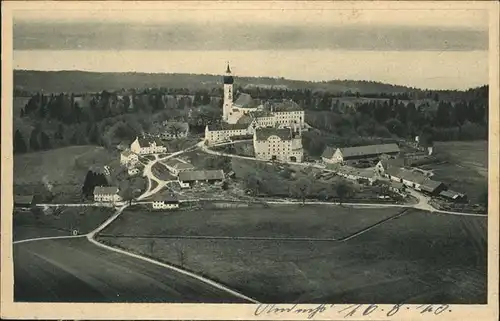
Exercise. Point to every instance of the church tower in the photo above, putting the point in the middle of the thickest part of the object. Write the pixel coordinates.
(228, 94)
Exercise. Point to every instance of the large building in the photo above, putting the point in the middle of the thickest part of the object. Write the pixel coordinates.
(353, 154)
(145, 146)
(242, 116)
(106, 194)
(278, 144)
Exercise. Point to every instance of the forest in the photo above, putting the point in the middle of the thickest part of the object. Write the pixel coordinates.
(106, 118)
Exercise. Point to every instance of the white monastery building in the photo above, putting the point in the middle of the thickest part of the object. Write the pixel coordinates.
(242, 116)
(106, 194)
(145, 146)
(280, 144)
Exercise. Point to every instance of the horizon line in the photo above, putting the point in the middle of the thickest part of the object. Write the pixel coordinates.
(243, 76)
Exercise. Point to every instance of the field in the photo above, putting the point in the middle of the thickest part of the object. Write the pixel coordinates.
(276, 221)
(27, 224)
(411, 259)
(76, 270)
(467, 171)
(63, 168)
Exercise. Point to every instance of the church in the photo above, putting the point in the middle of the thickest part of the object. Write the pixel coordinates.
(244, 115)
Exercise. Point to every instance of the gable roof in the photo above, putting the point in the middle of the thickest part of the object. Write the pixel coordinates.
(169, 198)
(408, 175)
(430, 185)
(286, 105)
(245, 101)
(393, 162)
(226, 126)
(201, 175)
(328, 152)
(265, 133)
(105, 190)
(369, 150)
(451, 194)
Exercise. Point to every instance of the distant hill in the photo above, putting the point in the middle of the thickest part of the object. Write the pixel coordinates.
(80, 81)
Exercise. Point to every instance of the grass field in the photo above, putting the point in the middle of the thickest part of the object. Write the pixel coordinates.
(84, 219)
(417, 258)
(64, 168)
(467, 171)
(276, 221)
(76, 270)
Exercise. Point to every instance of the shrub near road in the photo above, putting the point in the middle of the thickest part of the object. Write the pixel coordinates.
(411, 259)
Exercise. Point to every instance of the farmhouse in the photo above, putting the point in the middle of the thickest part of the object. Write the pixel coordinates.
(176, 166)
(415, 180)
(145, 146)
(341, 155)
(165, 203)
(278, 144)
(352, 173)
(23, 200)
(106, 194)
(189, 178)
(128, 158)
(385, 164)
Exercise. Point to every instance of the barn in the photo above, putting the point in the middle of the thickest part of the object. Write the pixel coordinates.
(189, 178)
(358, 153)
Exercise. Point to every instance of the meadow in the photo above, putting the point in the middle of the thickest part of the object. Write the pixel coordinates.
(411, 259)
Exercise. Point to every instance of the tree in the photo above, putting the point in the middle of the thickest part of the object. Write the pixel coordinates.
(343, 191)
(175, 129)
(302, 188)
(19, 144)
(44, 141)
(34, 144)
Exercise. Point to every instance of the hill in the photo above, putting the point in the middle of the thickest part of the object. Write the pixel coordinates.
(81, 81)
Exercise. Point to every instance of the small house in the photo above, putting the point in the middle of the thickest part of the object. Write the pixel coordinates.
(189, 178)
(453, 196)
(432, 187)
(165, 202)
(106, 194)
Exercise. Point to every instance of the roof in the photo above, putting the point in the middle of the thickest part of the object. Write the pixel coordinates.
(367, 173)
(430, 185)
(328, 152)
(173, 162)
(23, 199)
(201, 175)
(393, 162)
(146, 142)
(165, 198)
(369, 150)
(245, 101)
(408, 175)
(127, 153)
(286, 105)
(261, 113)
(245, 119)
(265, 133)
(451, 194)
(226, 126)
(105, 190)
(396, 185)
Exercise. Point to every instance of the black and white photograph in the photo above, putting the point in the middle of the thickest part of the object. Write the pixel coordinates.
(308, 160)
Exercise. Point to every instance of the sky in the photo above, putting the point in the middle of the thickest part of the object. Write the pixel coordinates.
(245, 29)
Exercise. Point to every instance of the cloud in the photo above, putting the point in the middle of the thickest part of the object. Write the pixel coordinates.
(211, 35)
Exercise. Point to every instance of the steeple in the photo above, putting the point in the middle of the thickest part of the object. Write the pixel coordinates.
(228, 78)
(228, 70)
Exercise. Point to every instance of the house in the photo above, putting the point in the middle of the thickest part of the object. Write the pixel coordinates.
(175, 166)
(453, 196)
(23, 200)
(128, 158)
(384, 164)
(188, 178)
(106, 194)
(415, 180)
(278, 144)
(145, 146)
(174, 130)
(344, 154)
(165, 203)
